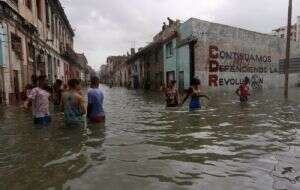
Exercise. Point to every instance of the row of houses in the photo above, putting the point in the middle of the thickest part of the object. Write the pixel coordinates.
(36, 39)
(220, 55)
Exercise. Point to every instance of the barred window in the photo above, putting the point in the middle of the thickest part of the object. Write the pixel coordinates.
(15, 2)
(169, 49)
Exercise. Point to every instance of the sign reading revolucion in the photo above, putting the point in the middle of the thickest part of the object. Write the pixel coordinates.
(221, 61)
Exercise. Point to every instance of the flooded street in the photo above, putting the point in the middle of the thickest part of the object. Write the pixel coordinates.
(145, 146)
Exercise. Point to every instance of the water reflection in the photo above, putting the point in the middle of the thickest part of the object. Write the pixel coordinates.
(143, 145)
(33, 158)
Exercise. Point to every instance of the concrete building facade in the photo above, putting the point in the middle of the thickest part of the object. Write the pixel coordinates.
(225, 55)
(142, 69)
(103, 74)
(113, 69)
(146, 67)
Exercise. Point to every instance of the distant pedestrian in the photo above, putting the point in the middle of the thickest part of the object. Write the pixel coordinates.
(172, 95)
(195, 92)
(73, 105)
(39, 98)
(244, 91)
(95, 111)
(57, 92)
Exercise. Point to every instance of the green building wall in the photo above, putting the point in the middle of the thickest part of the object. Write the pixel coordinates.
(170, 63)
(180, 61)
(183, 64)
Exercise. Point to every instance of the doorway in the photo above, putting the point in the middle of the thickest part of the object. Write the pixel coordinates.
(170, 76)
(16, 84)
(181, 81)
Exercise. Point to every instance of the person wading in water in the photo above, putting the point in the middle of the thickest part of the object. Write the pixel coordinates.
(172, 95)
(195, 93)
(244, 91)
(73, 105)
(39, 98)
(95, 111)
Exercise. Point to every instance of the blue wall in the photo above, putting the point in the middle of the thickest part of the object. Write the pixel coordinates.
(180, 61)
(183, 64)
(185, 31)
(170, 62)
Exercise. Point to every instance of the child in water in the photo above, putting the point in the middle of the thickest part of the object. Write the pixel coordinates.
(195, 93)
(73, 105)
(243, 91)
(172, 95)
(95, 111)
(39, 98)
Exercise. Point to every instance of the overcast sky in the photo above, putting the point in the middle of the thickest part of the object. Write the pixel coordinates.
(112, 27)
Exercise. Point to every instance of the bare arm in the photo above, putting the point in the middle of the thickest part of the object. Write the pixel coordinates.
(27, 103)
(185, 99)
(81, 105)
(188, 94)
(205, 96)
(30, 98)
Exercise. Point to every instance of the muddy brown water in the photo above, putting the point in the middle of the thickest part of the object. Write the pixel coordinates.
(143, 145)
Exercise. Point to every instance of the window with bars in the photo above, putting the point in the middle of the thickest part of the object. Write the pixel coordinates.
(169, 49)
(16, 45)
(15, 2)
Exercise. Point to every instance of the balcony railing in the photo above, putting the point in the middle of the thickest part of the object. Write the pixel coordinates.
(14, 3)
(6, 11)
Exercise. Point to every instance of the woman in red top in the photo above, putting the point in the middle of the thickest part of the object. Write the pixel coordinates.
(244, 90)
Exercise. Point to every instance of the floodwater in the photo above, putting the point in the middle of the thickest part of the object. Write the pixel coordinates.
(144, 146)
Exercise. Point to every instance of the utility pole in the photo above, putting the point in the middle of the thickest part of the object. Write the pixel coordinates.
(288, 48)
